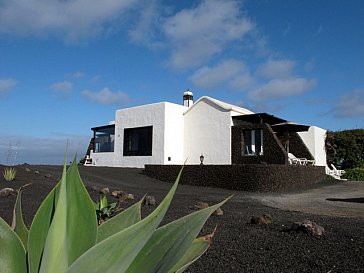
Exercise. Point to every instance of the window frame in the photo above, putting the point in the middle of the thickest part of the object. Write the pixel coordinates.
(138, 141)
(100, 134)
(249, 143)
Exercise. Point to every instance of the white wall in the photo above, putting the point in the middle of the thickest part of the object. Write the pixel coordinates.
(314, 139)
(207, 132)
(140, 116)
(167, 121)
(174, 133)
(102, 159)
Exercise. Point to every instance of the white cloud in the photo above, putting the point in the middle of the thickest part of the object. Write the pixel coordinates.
(350, 105)
(20, 149)
(198, 33)
(72, 20)
(62, 90)
(144, 30)
(6, 85)
(228, 74)
(281, 88)
(276, 69)
(106, 96)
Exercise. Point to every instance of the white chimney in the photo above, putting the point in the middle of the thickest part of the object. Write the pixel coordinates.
(188, 98)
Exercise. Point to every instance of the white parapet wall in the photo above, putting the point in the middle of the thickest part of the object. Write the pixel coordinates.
(174, 134)
(208, 133)
(154, 115)
(102, 159)
(314, 139)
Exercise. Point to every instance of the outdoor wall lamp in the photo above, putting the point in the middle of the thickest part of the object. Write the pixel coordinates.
(201, 159)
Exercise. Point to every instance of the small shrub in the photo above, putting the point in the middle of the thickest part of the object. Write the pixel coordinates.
(9, 174)
(64, 236)
(356, 174)
(105, 210)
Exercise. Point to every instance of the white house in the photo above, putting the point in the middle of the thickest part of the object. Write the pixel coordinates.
(167, 133)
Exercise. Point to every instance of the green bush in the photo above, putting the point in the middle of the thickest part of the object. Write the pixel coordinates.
(356, 174)
(345, 149)
(9, 174)
(64, 236)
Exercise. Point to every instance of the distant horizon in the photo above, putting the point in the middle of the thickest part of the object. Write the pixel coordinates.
(66, 67)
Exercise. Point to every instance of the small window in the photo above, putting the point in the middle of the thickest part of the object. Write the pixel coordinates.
(252, 143)
(138, 141)
(104, 138)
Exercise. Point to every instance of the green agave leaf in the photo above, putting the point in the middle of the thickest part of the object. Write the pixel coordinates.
(81, 216)
(74, 226)
(96, 205)
(18, 223)
(55, 258)
(197, 248)
(103, 202)
(39, 230)
(170, 242)
(123, 220)
(112, 205)
(117, 252)
(12, 254)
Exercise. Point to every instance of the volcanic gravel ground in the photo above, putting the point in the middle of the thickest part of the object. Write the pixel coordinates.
(238, 246)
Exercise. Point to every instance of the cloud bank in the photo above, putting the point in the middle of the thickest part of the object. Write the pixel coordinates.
(41, 150)
(229, 73)
(72, 20)
(350, 105)
(106, 96)
(276, 69)
(281, 88)
(198, 33)
(62, 90)
(199, 39)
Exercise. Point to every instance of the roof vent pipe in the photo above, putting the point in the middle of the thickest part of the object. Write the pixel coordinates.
(187, 98)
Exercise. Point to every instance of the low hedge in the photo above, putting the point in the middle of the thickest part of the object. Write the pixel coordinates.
(355, 174)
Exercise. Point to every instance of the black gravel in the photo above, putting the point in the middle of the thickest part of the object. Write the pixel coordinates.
(238, 246)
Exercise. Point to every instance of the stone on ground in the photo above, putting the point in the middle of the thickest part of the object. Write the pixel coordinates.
(7, 192)
(104, 190)
(309, 227)
(149, 200)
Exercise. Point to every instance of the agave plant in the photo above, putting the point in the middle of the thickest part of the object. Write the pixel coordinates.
(105, 210)
(9, 174)
(64, 236)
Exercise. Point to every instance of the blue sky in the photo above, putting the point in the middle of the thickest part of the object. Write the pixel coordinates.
(66, 66)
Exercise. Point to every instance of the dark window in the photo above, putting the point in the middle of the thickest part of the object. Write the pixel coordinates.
(253, 142)
(138, 141)
(104, 138)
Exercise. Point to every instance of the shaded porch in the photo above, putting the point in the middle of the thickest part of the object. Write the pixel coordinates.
(266, 139)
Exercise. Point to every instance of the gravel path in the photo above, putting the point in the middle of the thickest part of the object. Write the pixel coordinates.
(339, 198)
(238, 245)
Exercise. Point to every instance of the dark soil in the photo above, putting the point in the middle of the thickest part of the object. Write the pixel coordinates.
(238, 245)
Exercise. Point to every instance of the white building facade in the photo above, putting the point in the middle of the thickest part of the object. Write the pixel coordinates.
(167, 133)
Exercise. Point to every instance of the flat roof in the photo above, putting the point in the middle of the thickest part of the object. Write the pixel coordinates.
(260, 118)
(103, 127)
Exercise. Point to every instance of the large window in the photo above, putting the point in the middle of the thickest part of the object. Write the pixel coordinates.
(253, 142)
(104, 138)
(138, 141)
